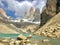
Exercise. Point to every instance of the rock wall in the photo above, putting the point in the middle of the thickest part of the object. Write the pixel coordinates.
(58, 6)
(52, 8)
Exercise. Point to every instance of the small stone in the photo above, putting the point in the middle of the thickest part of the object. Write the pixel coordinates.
(28, 40)
(5, 41)
(28, 44)
(35, 44)
(50, 31)
(21, 37)
(1, 44)
(17, 42)
(43, 33)
(50, 35)
(24, 41)
(12, 41)
(49, 44)
(57, 36)
(30, 36)
(45, 40)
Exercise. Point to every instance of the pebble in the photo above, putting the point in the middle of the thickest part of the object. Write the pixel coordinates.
(1, 44)
(17, 42)
(28, 44)
(45, 40)
(5, 41)
(28, 40)
(30, 36)
(12, 41)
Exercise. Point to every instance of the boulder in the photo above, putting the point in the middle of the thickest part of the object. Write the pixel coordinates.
(21, 37)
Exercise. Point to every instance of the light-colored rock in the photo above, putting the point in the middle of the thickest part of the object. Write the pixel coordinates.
(35, 44)
(17, 42)
(45, 40)
(29, 44)
(21, 37)
(30, 36)
(28, 40)
(12, 41)
(1, 44)
(5, 41)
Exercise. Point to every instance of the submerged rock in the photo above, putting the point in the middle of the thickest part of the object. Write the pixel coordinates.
(45, 40)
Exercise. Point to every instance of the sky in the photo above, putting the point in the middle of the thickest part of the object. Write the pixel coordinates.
(16, 8)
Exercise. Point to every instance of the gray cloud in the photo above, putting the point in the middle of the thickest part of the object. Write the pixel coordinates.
(21, 7)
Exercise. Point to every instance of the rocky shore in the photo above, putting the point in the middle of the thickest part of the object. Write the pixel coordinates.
(22, 40)
(52, 31)
(51, 28)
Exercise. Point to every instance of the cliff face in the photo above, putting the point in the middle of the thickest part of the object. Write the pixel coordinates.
(51, 28)
(58, 6)
(52, 8)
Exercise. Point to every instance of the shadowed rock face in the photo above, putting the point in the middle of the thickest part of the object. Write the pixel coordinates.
(52, 8)
(37, 15)
(58, 6)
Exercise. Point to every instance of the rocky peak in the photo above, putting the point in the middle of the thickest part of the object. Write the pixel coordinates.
(3, 13)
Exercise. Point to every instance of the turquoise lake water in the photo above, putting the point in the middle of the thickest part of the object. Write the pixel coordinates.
(53, 41)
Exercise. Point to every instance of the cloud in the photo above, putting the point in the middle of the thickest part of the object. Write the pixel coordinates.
(1, 4)
(40, 4)
(21, 7)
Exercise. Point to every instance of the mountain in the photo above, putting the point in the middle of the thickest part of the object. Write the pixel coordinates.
(5, 27)
(51, 28)
(3, 13)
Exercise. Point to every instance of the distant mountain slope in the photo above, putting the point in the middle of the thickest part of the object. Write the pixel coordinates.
(5, 27)
(3, 13)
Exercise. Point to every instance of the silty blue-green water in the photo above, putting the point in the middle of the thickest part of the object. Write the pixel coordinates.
(52, 41)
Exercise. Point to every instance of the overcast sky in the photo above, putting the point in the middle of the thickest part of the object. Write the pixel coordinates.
(16, 8)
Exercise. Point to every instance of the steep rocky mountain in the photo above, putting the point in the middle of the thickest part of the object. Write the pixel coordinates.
(51, 28)
(52, 8)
